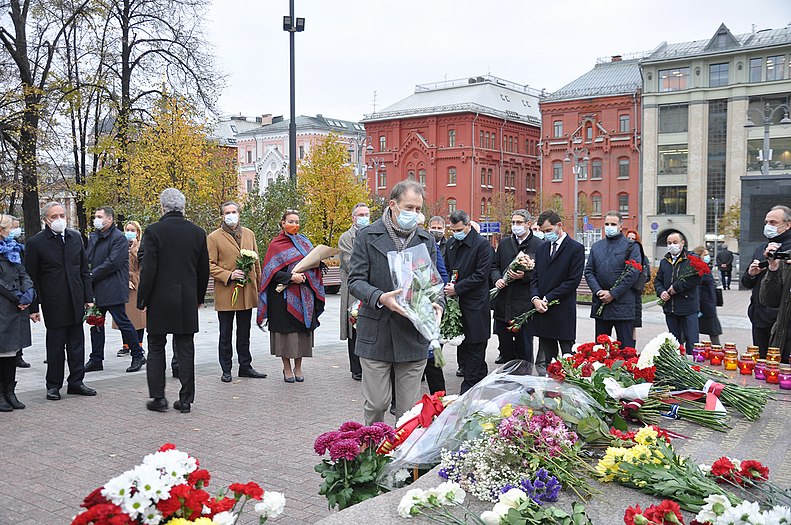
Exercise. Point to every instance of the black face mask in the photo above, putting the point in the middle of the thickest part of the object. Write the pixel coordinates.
(438, 236)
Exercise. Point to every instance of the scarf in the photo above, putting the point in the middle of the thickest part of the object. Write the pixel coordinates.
(282, 254)
(236, 234)
(400, 237)
(12, 250)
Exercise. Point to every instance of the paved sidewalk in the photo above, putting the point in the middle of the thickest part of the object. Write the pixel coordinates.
(55, 453)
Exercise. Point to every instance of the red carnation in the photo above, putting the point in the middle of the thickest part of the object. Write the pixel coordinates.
(167, 446)
(555, 371)
(699, 266)
(725, 469)
(603, 339)
(251, 490)
(201, 476)
(169, 506)
(195, 501)
(222, 505)
(631, 512)
(667, 512)
(94, 498)
(100, 513)
(754, 470)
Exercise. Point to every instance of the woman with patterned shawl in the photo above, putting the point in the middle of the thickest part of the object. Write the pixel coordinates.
(292, 315)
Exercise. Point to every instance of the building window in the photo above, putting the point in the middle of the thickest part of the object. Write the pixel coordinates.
(557, 171)
(589, 132)
(488, 207)
(673, 159)
(756, 66)
(382, 179)
(451, 206)
(671, 200)
(488, 138)
(421, 177)
(249, 185)
(673, 118)
(781, 162)
(494, 140)
(623, 168)
(382, 143)
(511, 144)
(481, 139)
(451, 176)
(302, 152)
(582, 172)
(775, 67)
(451, 138)
(718, 75)
(483, 207)
(674, 79)
(596, 173)
(557, 128)
(596, 205)
(410, 174)
(623, 203)
(249, 156)
(483, 177)
(516, 144)
(624, 124)
(489, 177)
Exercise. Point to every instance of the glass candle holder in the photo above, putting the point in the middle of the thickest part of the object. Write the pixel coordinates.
(773, 355)
(784, 378)
(760, 369)
(746, 364)
(772, 373)
(699, 354)
(717, 356)
(731, 359)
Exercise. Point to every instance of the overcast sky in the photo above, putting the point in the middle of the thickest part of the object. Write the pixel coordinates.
(351, 48)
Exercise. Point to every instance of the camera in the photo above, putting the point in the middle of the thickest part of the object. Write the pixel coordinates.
(778, 255)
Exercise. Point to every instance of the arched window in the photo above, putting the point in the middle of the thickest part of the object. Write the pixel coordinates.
(623, 168)
(596, 205)
(623, 203)
(557, 171)
(489, 207)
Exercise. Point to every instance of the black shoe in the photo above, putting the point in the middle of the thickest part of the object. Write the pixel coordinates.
(357, 377)
(460, 372)
(251, 372)
(299, 379)
(159, 404)
(81, 390)
(123, 352)
(93, 366)
(392, 409)
(21, 363)
(5, 406)
(137, 364)
(226, 377)
(175, 372)
(500, 360)
(288, 379)
(10, 396)
(184, 408)
(53, 394)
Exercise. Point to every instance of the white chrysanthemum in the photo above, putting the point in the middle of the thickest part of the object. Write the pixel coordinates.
(224, 518)
(513, 497)
(401, 475)
(272, 504)
(148, 482)
(778, 515)
(173, 464)
(409, 414)
(450, 492)
(410, 503)
(249, 253)
(151, 516)
(118, 489)
(134, 505)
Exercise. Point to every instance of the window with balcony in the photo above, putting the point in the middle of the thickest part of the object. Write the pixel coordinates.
(624, 124)
(596, 169)
(451, 176)
(557, 171)
(718, 75)
(673, 118)
(451, 206)
(557, 128)
(623, 203)
(382, 143)
(671, 200)
(451, 138)
(623, 168)
(421, 177)
(674, 79)
(775, 67)
(756, 67)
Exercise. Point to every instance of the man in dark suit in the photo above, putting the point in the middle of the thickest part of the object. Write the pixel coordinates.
(108, 255)
(55, 259)
(513, 298)
(559, 264)
(470, 258)
(172, 288)
(725, 264)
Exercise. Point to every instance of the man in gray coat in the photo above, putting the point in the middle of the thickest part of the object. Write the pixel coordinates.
(613, 304)
(386, 339)
(361, 217)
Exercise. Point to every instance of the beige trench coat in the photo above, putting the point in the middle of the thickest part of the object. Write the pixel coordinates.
(223, 252)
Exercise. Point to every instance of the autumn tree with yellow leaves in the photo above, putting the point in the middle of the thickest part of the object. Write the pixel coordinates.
(327, 182)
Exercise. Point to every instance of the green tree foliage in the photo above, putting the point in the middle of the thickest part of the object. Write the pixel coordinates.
(731, 220)
(262, 212)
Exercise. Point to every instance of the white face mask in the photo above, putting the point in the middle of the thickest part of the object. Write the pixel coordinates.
(231, 219)
(538, 233)
(98, 223)
(58, 225)
(674, 249)
(518, 230)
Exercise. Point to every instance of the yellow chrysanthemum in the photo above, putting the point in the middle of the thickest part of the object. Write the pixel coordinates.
(179, 521)
(204, 521)
(488, 426)
(507, 410)
(642, 454)
(646, 436)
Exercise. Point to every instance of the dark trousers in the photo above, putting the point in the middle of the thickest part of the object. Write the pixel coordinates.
(726, 278)
(73, 340)
(475, 367)
(243, 318)
(434, 377)
(517, 345)
(354, 359)
(461, 357)
(7, 370)
(623, 330)
(684, 327)
(184, 349)
(140, 335)
(128, 333)
(761, 337)
(548, 350)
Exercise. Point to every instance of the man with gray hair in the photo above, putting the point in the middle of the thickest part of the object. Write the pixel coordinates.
(55, 259)
(361, 217)
(172, 288)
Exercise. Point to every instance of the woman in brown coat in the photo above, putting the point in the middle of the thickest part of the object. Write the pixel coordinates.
(133, 234)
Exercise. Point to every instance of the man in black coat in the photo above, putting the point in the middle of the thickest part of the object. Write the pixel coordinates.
(470, 256)
(513, 298)
(606, 262)
(56, 262)
(777, 228)
(108, 255)
(679, 293)
(558, 272)
(725, 264)
(172, 288)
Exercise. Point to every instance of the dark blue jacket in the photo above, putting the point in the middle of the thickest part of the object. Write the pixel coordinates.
(443, 272)
(472, 258)
(686, 300)
(606, 262)
(108, 256)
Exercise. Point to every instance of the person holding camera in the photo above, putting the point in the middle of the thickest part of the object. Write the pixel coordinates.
(777, 229)
(776, 293)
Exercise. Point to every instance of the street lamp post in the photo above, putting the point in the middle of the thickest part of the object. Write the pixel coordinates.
(578, 155)
(768, 115)
(292, 26)
(376, 164)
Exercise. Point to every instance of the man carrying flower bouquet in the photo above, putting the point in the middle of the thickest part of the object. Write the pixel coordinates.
(676, 285)
(513, 297)
(614, 265)
(234, 264)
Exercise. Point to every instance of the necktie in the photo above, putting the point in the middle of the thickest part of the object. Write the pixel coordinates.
(554, 249)
(62, 238)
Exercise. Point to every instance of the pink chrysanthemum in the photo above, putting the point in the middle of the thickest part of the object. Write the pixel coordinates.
(371, 435)
(344, 449)
(350, 426)
(324, 441)
(387, 429)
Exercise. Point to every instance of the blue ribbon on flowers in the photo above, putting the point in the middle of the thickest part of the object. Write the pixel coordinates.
(672, 413)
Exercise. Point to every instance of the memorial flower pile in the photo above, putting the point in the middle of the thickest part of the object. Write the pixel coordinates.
(442, 503)
(521, 263)
(168, 488)
(516, 507)
(666, 513)
(719, 510)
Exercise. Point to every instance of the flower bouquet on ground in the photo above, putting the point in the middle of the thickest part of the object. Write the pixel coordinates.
(719, 510)
(518, 506)
(355, 462)
(245, 262)
(93, 316)
(515, 324)
(521, 263)
(418, 418)
(421, 287)
(629, 267)
(666, 513)
(168, 487)
(696, 268)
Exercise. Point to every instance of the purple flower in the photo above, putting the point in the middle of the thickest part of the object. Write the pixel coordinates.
(387, 429)
(350, 426)
(371, 435)
(344, 449)
(324, 441)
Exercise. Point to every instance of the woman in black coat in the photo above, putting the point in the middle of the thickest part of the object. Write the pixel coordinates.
(16, 294)
(707, 314)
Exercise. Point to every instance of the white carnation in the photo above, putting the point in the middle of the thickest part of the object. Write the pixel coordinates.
(272, 504)
(410, 503)
(224, 518)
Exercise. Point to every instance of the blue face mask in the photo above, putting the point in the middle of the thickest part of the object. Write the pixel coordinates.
(130, 236)
(538, 234)
(551, 236)
(407, 219)
(15, 233)
(460, 236)
(707, 259)
(611, 231)
(364, 221)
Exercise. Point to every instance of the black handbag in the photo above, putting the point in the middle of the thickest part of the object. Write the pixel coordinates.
(718, 292)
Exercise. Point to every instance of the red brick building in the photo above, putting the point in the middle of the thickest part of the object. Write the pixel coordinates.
(598, 112)
(465, 140)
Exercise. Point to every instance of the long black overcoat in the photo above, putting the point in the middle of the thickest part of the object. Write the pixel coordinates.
(514, 299)
(472, 258)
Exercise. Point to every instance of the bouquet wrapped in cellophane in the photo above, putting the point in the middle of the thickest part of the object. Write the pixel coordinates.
(421, 286)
